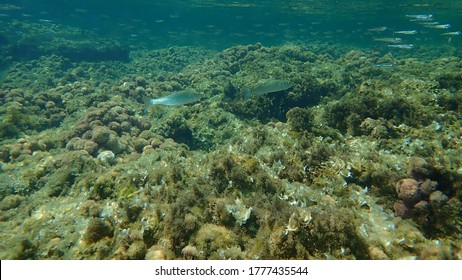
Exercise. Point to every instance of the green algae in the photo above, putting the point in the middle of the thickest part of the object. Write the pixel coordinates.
(317, 166)
(14, 121)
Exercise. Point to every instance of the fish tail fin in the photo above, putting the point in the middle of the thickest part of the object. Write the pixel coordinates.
(247, 93)
(147, 103)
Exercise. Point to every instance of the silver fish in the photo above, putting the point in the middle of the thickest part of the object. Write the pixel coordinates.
(420, 17)
(406, 32)
(402, 46)
(177, 98)
(267, 86)
(389, 40)
(378, 29)
(428, 23)
(385, 64)
(440, 26)
(455, 33)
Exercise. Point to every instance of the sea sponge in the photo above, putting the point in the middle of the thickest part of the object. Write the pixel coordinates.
(96, 230)
(333, 229)
(408, 191)
(300, 119)
(76, 144)
(137, 250)
(427, 187)
(211, 238)
(190, 252)
(417, 199)
(401, 210)
(100, 134)
(139, 144)
(420, 169)
(438, 199)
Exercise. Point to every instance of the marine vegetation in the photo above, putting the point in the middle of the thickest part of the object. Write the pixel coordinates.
(298, 151)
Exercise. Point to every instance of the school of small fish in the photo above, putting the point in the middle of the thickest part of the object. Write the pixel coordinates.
(424, 20)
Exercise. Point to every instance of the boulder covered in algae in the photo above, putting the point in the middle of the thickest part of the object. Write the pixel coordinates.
(349, 162)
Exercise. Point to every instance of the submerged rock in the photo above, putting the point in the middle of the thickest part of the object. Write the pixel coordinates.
(76, 144)
(315, 170)
(106, 157)
(10, 202)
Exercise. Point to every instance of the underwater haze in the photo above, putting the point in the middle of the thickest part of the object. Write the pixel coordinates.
(220, 24)
(237, 129)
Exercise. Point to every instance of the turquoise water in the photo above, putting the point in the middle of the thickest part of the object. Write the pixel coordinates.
(230, 129)
(220, 24)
